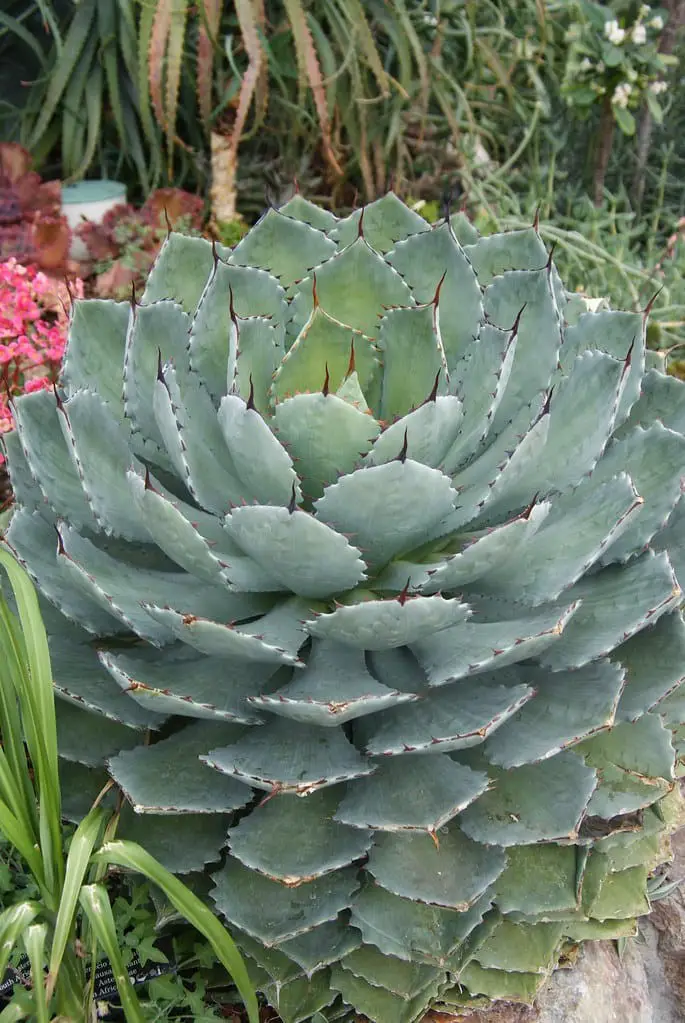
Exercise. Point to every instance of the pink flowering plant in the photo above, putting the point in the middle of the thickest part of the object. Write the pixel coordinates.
(33, 332)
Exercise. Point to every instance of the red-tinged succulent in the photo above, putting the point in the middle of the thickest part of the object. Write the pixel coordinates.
(125, 243)
(32, 228)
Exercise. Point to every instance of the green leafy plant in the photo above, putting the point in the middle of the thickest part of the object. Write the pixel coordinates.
(601, 252)
(607, 59)
(367, 92)
(382, 537)
(614, 61)
(65, 904)
(83, 98)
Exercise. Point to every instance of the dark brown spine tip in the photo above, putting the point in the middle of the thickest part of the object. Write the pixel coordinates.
(434, 393)
(250, 400)
(148, 485)
(133, 300)
(548, 403)
(402, 457)
(528, 511)
(536, 220)
(231, 305)
(169, 228)
(360, 225)
(60, 542)
(515, 328)
(650, 305)
(548, 265)
(448, 199)
(296, 186)
(404, 595)
(215, 253)
(326, 384)
(160, 369)
(351, 367)
(58, 400)
(629, 356)
(436, 296)
(315, 293)
(293, 501)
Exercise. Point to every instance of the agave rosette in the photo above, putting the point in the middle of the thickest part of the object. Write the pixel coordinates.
(377, 532)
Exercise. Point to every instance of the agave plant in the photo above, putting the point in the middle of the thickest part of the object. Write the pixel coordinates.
(366, 538)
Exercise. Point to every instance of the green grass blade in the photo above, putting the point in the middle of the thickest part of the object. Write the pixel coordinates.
(36, 641)
(74, 42)
(96, 905)
(38, 712)
(93, 105)
(18, 835)
(132, 857)
(10, 789)
(72, 109)
(17, 29)
(34, 943)
(11, 1013)
(13, 924)
(127, 39)
(354, 9)
(49, 16)
(107, 24)
(78, 860)
(17, 775)
(148, 167)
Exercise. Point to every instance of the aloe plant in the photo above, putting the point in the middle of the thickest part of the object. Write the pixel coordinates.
(367, 538)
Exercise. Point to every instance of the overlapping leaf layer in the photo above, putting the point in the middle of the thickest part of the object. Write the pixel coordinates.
(368, 550)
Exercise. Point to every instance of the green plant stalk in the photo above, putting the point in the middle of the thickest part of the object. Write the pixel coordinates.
(34, 942)
(95, 902)
(27, 704)
(132, 857)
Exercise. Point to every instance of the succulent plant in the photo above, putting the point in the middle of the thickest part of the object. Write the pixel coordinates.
(32, 228)
(125, 243)
(366, 538)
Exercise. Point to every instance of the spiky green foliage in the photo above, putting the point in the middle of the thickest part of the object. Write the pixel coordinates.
(376, 533)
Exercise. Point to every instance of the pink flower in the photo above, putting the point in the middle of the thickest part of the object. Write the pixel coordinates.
(33, 331)
(37, 384)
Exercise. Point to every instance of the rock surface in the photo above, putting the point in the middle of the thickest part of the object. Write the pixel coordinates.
(646, 986)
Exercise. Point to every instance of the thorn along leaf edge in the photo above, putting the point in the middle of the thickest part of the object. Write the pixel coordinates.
(247, 569)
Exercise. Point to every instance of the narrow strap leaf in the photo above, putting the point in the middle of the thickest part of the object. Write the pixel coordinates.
(75, 40)
(96, 905)
(78, 860)
(132, 857)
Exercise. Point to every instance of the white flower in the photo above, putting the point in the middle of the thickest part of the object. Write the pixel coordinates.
(585, 64)
(429, 19)
(614, 33)
(657, 87)
(644, 11)
(601, 67)
(639, 34)
(632, 74)
(622, 94)
(657, 23)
